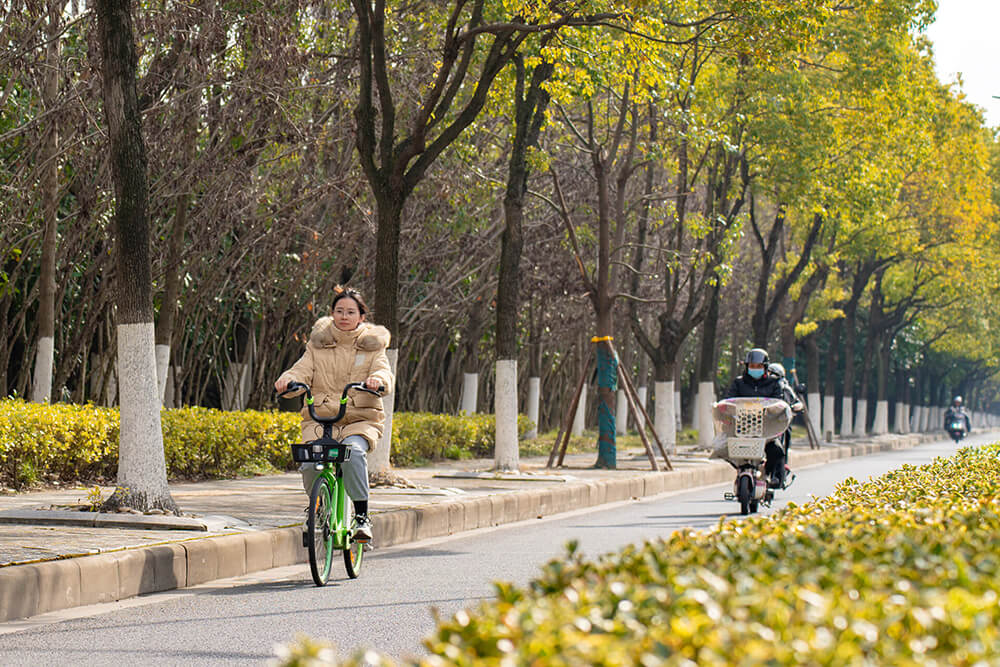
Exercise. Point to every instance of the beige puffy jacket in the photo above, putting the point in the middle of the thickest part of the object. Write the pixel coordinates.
(332, 359)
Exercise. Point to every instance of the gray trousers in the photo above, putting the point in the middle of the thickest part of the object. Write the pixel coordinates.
(354, 470)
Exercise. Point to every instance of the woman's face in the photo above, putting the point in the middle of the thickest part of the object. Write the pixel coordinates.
(347, 315)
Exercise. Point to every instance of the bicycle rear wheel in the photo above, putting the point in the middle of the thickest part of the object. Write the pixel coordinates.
(354, 553)
(319, 537)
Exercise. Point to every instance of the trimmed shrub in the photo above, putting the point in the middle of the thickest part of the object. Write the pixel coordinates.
(200, 442)
(70, 442)
(60, 441)
(421, 437)
(902, 570)
(67, 442)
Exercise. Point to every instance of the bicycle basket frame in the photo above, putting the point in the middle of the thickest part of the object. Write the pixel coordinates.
(324, 450)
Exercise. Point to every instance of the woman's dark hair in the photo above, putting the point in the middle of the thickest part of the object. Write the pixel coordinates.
(342, 292)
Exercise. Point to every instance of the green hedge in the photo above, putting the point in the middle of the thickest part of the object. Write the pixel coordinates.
(902, 570)
(420, 437)
(40, 442)
(80, 442)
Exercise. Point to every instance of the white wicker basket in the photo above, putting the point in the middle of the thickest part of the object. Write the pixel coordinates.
(746, 449)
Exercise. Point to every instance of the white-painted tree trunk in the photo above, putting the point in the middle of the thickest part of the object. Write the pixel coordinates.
(470, 393)
(703, 412)
(41, 382)
(621, 413)
(829, 417)
(925, 412)
(664, 419)
(695, 416)
(642, 394)
(505, 453)
(171, 396)
(162, 371)
(899, 423)
(378, 460)
(881, 423)
(847, 416)
(236, 388)
(677, 409)
(141, 464)
(861, 418)
(814, 403)
(111, 391)
(534, 396)
(580, 417)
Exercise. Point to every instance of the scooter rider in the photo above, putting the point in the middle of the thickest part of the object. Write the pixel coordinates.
(793, 400)
(757, 382)
(957, 411)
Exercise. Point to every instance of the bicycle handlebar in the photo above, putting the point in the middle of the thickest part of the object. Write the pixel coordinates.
(300, 386)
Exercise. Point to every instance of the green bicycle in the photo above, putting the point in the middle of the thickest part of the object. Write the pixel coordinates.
(330, 513)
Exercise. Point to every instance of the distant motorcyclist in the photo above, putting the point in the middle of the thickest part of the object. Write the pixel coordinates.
(794, 402)
(757, 382)
(792, 398)
(956, 412)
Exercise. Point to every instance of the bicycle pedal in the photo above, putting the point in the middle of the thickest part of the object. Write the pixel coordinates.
(305, 540)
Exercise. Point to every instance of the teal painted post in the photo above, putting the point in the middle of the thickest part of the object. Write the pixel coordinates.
(607, 384)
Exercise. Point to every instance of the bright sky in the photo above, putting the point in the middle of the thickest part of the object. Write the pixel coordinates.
(966, 40)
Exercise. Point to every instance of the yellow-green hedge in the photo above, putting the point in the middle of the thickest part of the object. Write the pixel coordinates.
(419, 437)
(80, 442)
(902, 570)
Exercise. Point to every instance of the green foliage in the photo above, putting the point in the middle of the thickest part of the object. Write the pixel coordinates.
(80, 442)
(901, 570)
(60, 440)
(420, 437)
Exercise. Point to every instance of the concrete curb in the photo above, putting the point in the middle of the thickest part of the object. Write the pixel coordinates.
(32, 589)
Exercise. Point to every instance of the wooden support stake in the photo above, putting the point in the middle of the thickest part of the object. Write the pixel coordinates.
(564, 427)
(810, 430)
(633, 405)
(630, 388)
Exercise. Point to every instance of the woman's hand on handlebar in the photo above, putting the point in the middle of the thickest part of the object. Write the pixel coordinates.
(284, 385)
(374, 384)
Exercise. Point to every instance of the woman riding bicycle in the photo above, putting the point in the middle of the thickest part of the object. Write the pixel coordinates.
(343, 348)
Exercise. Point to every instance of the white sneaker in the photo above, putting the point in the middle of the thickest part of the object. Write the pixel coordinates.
(362, 528)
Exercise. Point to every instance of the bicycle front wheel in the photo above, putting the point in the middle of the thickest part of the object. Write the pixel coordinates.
(354, 553)
(319, 536)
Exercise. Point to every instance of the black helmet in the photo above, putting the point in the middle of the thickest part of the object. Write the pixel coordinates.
(756, 356)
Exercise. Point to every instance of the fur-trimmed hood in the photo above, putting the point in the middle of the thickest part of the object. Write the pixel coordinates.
(367, 337)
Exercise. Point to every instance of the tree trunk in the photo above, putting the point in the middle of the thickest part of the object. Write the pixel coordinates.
(529, 112)
(607, 368)
(861, 419)
(172, 269)
(41, 386)
(706, 371)
(814, 401)
(142, 472)
(850, 342)
(830, 380)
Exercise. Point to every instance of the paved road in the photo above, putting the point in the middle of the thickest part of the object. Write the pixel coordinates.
(239, 621)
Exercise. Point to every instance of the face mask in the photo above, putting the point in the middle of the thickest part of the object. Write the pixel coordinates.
(755, 373)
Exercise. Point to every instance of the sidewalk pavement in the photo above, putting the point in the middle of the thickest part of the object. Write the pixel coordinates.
(53, 556)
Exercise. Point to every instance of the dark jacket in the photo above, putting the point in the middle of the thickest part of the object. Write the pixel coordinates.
(787, 392)
(957, 413)
(767, 387)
